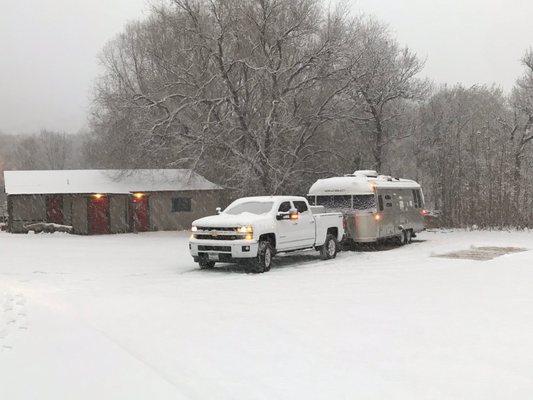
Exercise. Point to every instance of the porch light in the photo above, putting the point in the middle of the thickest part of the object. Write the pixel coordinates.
(98, 196)
(138, 195)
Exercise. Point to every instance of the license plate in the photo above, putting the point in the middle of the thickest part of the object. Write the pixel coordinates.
(213, 256)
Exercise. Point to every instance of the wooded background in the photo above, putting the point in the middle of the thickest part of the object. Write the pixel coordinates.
(266, 96)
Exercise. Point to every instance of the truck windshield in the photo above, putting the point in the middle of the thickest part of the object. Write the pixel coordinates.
(252, 207)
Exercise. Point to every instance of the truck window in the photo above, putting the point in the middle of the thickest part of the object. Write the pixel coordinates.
(311, 200)
(334, 201)
(364, 202)
(285, 206)
(300, 206)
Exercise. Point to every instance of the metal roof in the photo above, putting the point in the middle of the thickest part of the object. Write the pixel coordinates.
(104, 181)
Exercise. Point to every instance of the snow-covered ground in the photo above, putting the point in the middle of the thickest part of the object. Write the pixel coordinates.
(132, 317)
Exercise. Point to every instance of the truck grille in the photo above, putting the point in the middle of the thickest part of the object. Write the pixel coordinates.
(207, 228)
(217, 237)
(226, 249)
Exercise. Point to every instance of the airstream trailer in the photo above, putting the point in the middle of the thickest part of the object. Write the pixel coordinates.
(375, 207)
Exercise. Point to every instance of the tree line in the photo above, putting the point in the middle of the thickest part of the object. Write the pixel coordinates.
(266, 96)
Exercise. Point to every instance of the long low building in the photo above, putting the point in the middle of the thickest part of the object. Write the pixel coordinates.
(110, 201)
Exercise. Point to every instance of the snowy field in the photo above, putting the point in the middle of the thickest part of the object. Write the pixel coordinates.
(132, 317)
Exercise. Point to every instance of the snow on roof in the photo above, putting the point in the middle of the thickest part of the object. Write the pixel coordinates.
(104, 181)
(358, 184)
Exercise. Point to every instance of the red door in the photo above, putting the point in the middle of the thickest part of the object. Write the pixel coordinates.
(140, 213)
(54, 209)
(98, 214)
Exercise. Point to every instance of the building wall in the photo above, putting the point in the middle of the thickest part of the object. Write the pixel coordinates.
(24, 210)
(203, 203)
(79, 214)
(67, 209)
(119, 213)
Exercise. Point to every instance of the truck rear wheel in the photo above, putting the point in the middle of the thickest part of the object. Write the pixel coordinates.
(329, 249)
(263, 261)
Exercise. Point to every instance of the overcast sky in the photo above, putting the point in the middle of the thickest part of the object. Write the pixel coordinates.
(48, 48)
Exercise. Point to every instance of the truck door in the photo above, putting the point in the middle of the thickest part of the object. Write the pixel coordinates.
(286, 238)
(305, 227)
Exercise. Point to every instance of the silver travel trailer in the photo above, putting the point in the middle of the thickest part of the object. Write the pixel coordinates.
(375, 207)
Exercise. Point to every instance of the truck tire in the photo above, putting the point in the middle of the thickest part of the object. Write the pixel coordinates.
(329, 249)
(263, 261)
(205, 263)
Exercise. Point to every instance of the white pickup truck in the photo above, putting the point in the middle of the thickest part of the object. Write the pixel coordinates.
(252, 230)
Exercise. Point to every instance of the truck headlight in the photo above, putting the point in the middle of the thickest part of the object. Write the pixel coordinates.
(194, 228)
(245, 229)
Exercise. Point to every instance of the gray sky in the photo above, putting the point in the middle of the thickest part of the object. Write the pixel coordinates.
(48, 48)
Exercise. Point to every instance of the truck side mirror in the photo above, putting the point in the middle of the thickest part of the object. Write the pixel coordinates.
(282, 215)
(293, 214)
(219, 210)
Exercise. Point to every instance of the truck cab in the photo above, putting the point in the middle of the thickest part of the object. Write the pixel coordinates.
(252, 230)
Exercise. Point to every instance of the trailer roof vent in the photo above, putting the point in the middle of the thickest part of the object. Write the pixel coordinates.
(369, 173)
(385, 178)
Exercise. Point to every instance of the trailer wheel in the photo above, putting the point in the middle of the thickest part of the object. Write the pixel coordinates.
(408, 236)
(329, 249)
(263, 261)
(402, 238)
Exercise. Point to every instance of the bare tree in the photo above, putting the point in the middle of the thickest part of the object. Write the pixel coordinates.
(382, 93)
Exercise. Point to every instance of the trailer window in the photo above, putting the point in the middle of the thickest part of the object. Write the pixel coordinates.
(418, 198)
(364, 202)
(380, 202)
(334, 201)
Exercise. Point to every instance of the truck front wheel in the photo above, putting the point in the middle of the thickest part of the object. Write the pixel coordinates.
(263, 261)
(204, 263)
(329, 249)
